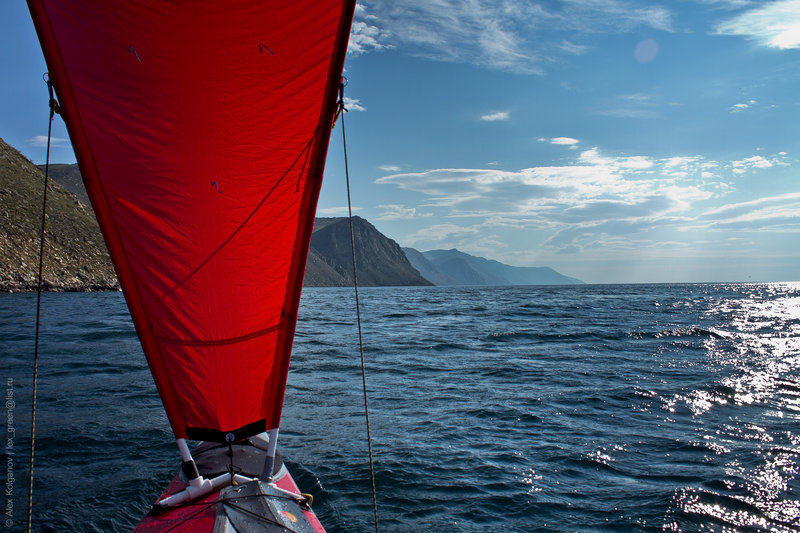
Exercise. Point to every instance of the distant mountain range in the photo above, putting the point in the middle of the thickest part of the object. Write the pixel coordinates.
(452, 267)
(77, 258)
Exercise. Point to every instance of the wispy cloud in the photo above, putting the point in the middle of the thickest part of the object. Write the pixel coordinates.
(773, 24)
(727, 3)
(496, 115)
(40, 141)
(637, 105)
(389, 168)
(513, 35)
(572, 48)
(774, 213)
(439, 233)
(594, 183)
(741, 208)
(596, 196)
(399, 212)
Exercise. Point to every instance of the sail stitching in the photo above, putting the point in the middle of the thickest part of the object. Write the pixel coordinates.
(219, 342)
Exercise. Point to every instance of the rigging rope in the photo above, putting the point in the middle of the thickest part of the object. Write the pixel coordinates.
(53, 109)
(340, 113)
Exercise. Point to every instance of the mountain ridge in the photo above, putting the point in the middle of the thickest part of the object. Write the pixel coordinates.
(454, 267)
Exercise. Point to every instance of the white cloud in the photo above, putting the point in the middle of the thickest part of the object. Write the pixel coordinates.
(617, 163)
(756, 161)
(563, 141)
(440, 233)
(775, 213)
(389, 168)
(502, 48)
(399, 212)
(615, 16)
(495, 116)
(353, 104)
(572, 48)
(366, 38)
(513, 35)
(738, 209)
(593, 200)
(774, 24)
(681, 161)
(728, 3)
(737, 108)
(40, 141)
(595, 183)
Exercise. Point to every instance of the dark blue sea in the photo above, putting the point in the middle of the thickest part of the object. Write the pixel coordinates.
(577, 408)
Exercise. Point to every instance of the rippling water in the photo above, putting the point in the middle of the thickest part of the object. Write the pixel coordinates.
(625, 407)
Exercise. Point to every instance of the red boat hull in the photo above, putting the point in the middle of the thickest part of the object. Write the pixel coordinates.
(211, 512)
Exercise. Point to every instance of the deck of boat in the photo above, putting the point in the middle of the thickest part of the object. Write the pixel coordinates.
(252, 506)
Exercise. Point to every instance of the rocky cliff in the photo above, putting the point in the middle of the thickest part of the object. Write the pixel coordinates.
(380, 260)
(75, 255)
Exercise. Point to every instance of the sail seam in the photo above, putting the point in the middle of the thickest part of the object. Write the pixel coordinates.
(219, 342)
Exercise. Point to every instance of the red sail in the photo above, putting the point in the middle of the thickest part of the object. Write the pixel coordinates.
(201, 129)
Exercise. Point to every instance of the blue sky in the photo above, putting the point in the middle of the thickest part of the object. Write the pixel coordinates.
(613, 140)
